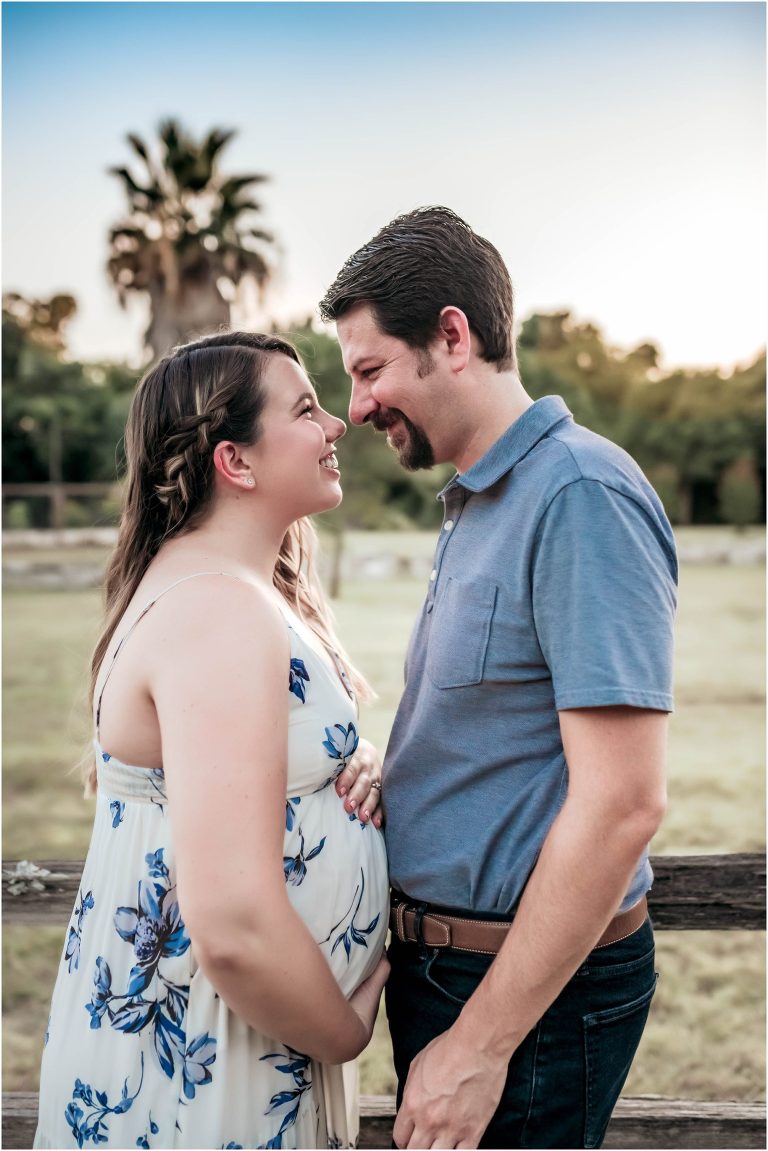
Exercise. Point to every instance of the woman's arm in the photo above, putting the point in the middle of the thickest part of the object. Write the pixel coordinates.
(220, 688)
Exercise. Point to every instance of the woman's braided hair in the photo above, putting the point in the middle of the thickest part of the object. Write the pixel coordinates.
(194, 398)
(187, 448)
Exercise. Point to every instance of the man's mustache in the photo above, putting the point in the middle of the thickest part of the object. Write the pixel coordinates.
(382, 421)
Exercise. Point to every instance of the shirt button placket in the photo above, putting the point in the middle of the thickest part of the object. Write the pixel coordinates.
(453, 511)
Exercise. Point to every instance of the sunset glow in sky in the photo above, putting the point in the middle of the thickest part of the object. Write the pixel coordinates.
(614, 153)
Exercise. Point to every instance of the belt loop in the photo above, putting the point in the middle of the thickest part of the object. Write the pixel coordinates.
(399, 913)
(418, 916)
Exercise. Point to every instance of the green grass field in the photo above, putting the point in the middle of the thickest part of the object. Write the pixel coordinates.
(705, 1039)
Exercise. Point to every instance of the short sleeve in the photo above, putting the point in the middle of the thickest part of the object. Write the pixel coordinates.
(604, 597)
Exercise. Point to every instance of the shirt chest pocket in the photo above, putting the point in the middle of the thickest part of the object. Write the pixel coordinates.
(461, 628)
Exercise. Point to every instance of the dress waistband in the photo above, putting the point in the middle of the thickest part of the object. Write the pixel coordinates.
(122, 781)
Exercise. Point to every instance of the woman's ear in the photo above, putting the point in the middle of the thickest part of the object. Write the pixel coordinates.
(231, 466)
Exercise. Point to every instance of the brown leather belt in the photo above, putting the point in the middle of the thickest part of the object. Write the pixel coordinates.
(435, 928)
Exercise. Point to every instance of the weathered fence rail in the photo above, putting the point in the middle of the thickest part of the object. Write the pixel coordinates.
(648, 1121)
(690, 892)
(57, 494)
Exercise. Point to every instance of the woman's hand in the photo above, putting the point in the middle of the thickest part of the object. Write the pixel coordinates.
(365, 1001)
(359, 784)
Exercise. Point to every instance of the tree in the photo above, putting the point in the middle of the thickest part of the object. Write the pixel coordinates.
(666, 481)
(61, 420)
(739, 496)
(43, 321)
(190, 237)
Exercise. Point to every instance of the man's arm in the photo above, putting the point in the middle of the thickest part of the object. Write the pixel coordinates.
(616, 798)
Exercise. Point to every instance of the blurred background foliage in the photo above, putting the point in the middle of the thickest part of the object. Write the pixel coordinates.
(191, 241)
(699, 436)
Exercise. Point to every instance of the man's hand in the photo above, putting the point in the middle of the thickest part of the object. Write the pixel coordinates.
(450, 1096)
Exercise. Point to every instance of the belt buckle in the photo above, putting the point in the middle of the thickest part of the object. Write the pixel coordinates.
(419, 910)
(418, 930)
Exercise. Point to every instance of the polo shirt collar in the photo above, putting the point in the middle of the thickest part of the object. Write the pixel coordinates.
(535, 422)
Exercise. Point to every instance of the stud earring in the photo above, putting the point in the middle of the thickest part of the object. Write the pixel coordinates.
(250, 481)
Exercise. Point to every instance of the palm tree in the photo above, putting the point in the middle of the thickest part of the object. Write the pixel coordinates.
(188, 238)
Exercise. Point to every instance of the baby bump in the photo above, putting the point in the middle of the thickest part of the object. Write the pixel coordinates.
(336, 876)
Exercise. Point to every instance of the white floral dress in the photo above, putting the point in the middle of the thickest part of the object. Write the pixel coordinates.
(140, 1051)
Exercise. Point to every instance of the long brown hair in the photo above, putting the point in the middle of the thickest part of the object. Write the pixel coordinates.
(191, 400)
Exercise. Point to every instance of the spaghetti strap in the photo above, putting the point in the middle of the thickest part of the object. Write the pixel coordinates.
(137, 621)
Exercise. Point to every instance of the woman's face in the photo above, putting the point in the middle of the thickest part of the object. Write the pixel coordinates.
(293, 460)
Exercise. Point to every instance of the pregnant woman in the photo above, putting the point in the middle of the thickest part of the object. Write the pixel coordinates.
(224, 956)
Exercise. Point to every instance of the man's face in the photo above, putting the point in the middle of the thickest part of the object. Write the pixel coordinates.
(391, 386)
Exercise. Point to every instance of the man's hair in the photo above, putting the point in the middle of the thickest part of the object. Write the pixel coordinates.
(420, 263)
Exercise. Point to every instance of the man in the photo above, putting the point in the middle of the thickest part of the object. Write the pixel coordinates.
(524, 776)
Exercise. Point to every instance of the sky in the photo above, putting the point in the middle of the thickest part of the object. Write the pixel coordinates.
(614, 153)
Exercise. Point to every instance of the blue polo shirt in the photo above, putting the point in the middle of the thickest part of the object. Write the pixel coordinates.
(554, 587)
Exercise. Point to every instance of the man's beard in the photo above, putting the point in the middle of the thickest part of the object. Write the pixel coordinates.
(416, 452)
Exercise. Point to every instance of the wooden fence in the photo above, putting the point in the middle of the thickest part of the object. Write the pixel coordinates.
(694, 892)
(57, 495)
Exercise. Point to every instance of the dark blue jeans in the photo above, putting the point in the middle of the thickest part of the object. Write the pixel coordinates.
(565, 1077)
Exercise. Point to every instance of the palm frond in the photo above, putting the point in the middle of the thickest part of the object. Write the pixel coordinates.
(240, 206)
(170, 133)
(258, 234)
(138, 145)
(152, 194)
(216, 139)
(235, 184)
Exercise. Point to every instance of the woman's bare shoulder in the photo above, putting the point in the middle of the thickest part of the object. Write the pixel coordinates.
(214, 613)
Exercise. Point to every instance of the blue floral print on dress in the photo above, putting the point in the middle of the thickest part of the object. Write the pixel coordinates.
(295, 866)
(72, 949)
(290, 811)
(153, 1129)
(298, 676)
(155, 927)
(91, 1126)
(157, 782)
(296, 1065)
(101, 994)
(340, 743)
(197, 1058)
(157, 932)
(117, 807)
(352, 933)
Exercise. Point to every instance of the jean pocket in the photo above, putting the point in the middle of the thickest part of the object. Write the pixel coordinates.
(456, 975)
(461, 628)
(611, 1038)
(625, 957)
